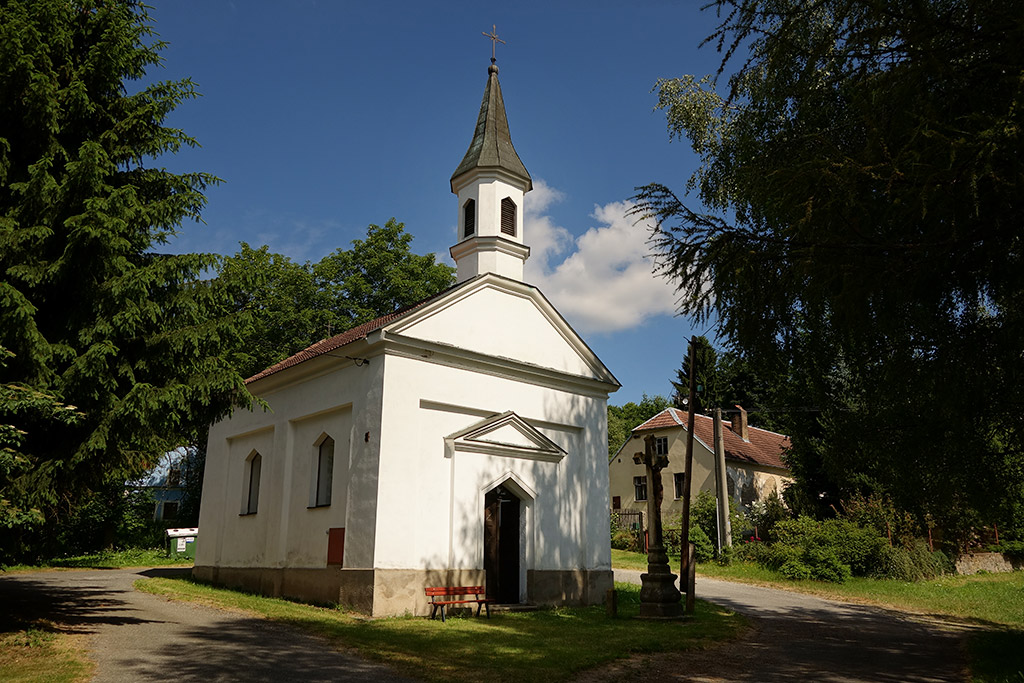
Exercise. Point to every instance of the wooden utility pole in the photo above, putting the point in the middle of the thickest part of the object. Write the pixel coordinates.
(686, 571)
(721, 486)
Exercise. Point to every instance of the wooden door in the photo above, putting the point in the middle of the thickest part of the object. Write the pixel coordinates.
(501, 545)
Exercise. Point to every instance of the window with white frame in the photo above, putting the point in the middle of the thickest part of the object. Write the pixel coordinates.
(661, 445)
(640, 488)
(324, 471)
(253, 465)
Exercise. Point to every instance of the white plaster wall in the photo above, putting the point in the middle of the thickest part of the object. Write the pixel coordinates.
(306, 538)
(344, 403)
(226, 536)
(421, 524)
(498, 323)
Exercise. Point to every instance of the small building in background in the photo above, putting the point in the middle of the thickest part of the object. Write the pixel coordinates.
(753, 462)
(166, 483)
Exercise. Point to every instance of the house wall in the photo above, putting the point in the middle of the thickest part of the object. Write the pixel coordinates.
(342, 402)
(432, 499)
(622, 469)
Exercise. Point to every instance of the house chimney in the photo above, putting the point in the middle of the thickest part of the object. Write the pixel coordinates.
(739, 424)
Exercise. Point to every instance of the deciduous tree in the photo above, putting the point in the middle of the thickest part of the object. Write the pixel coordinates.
(293, 305)
(858, 217)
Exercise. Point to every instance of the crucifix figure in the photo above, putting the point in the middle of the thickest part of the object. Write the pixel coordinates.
(659, 597)
(493, 35)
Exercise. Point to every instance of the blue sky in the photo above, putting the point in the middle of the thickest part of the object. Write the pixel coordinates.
(323, 117)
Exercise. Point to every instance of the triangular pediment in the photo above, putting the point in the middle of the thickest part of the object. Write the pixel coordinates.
(506, 435)
(502, 318)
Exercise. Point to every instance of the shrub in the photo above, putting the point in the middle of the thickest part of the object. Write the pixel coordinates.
(704, 549)
(626, 539)
(825, 564)
(795, 570)
(766, 514)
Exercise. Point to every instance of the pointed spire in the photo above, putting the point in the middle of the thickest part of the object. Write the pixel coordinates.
(492, 144)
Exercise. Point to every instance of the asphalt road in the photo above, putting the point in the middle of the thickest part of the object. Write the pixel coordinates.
(135, 636)
(138, 637)
(797, 637)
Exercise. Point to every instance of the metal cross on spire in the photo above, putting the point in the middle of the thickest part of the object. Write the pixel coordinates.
(493, 36)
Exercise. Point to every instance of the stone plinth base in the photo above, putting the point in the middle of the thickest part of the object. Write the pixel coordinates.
(395, 592)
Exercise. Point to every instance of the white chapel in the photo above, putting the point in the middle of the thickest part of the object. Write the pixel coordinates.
(461, 441)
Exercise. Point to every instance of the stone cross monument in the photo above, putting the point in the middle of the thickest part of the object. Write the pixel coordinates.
(659, 597)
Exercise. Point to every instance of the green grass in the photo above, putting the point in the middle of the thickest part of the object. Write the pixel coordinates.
(43, 653)
(550, 644)
(994, 603)
(108, 559)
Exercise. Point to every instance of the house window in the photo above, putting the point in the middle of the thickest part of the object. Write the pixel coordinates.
(661, 445)
(640, 488)
(170, 510)
(253, 465)
(678, 478)
(616, 503)
(324, 471)
(508, 216)
(469, 218)
(174, 475)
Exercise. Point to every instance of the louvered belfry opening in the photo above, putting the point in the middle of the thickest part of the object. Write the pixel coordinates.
(508, 216)
(469, 218)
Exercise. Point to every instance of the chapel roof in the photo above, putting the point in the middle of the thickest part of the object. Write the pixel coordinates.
(348, 336)
(762, 448)
(325, 346)
(491, 146)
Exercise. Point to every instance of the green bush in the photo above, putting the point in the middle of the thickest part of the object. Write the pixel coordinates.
(1013, 550)
(795, 570)
(766, 514)
(626, 539)
(915, 563)
(703, 550)
(826, 565)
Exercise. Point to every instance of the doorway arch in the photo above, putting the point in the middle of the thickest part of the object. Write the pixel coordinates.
(503, 544)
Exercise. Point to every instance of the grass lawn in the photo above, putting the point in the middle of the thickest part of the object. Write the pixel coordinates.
(550, 644)
(42, 653)
(992, 602)
(108, 559)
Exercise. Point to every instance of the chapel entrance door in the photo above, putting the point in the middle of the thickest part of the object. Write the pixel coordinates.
(501, 545)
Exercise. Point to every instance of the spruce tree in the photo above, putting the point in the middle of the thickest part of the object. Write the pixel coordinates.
(128, 338)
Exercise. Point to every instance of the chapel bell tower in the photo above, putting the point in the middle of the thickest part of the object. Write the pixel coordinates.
(490, 184)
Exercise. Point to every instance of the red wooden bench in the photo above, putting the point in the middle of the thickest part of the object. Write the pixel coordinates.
(443, 596)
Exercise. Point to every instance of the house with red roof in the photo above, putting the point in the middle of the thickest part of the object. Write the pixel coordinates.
(458, 442)
(753, 462)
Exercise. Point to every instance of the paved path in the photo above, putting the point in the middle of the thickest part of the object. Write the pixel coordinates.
(797, 637)
(139, 637)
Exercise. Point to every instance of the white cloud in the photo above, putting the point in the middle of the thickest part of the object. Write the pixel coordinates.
(601, 281)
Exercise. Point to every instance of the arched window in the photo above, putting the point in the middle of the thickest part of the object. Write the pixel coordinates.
(253, 464)
(469, 218)
(508, 216)
(324, 471)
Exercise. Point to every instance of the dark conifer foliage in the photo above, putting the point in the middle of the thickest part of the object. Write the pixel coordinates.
(857, 221)
(95, 316)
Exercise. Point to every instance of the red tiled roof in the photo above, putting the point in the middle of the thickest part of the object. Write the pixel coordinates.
(763, 448)
(347, 337)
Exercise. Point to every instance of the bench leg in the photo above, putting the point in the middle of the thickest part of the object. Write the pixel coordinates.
(487, 606)
(442, 614)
